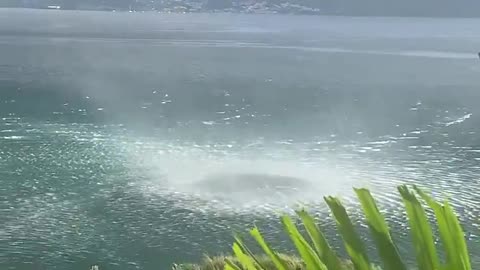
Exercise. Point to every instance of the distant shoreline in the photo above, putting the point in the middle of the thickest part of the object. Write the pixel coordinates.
(239, 12)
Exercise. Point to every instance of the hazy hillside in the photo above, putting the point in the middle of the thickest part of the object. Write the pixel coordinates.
(459, 8)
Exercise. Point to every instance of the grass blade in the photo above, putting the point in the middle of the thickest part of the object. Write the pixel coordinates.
(451, 233)
(279, 264)
(421, 231)
(320, 243)
(246, 261)
(229, 265)
(381, 233)
(247, 251)
(312, 261)
(351, 239)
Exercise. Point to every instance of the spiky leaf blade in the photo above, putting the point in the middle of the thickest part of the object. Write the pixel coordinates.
(279, 263)
(312, 261)
(422, 236)
(353, 244)
(229, 265)
(246, 261)
(246, 250)
(380, 231)
(320, 243)
(451, 233)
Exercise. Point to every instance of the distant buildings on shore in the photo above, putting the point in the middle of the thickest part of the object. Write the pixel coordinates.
(410, 8)
(180, 6)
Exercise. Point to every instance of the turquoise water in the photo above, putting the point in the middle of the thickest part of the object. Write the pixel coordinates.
(134, 141)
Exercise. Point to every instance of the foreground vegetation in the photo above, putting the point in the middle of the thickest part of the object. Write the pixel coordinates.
(315, 252)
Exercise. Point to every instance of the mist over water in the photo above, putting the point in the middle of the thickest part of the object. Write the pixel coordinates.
(149, 138)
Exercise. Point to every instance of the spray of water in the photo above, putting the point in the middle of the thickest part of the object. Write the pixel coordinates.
(200, 178)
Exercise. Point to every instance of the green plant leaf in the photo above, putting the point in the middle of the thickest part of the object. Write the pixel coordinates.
(351, 239)
(381, 233)
(246, 261)
(320, 243)
(421, 231)
(320, 256)
(451, 233)
(245, 250)
(229, 265)
(279, 264)
(312, 261)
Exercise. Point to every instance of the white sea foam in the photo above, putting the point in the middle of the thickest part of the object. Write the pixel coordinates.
(459, 120)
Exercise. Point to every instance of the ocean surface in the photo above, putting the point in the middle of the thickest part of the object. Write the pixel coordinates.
(136, 140)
